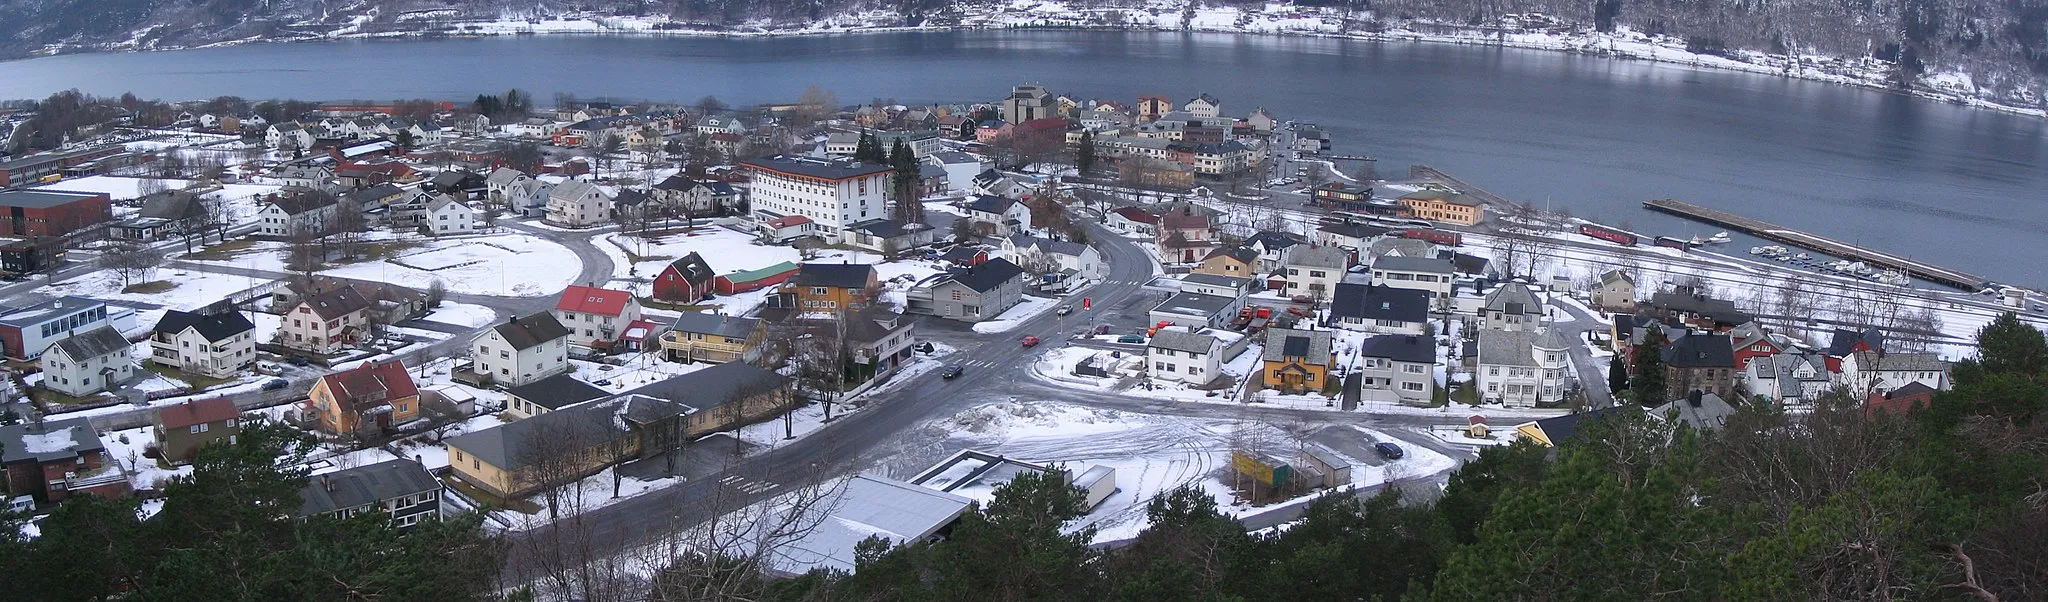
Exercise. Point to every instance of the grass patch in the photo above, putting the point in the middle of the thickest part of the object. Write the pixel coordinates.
(490, 499)
(196, 382)
(51, 396)
(654, 303)
(1468, 395)
(638, 258)
(150, 288)
(382, 250)
(226, 251)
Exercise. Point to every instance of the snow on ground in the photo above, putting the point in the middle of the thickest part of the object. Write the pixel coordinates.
(639, 370)
(516, 265)
(725, 250)
(193, 289)
(1017, 314)
(1057, 365)
(1456, 435)
(126, 447)
(463, 314)
(591, 493)
(118, 188)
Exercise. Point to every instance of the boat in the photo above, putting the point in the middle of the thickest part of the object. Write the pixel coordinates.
(1756, 250)
(1802, 256)
(1696, 241)
(1719, 238)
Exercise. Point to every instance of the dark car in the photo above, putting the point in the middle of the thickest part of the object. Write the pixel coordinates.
(603, 382)
(952, 372)
(300, 360)
(276, 383)
(1388, 450)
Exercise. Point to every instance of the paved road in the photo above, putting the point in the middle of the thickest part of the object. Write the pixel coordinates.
(1592, 371)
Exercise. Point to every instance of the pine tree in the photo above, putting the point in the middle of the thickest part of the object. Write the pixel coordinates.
(1084, 155)
(1617, 375)
(1649, 380)
(903, 184)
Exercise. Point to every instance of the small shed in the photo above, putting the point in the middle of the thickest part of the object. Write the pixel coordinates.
(1475, 427)
(1098, 483)
(1335, 469)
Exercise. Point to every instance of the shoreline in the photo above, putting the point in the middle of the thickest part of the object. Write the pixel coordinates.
(1618, 47)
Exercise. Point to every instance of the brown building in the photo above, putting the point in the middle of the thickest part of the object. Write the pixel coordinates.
(184, 428)
(51, 212)
(1700, 362)
(365, 400)
(58, 459)
(1234, 261)
(831, 286)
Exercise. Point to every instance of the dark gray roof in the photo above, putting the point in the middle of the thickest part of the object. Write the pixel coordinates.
(1513, 298)
(374, 194)
(510, 447)
(885, 228)
(1273, 239)
(836, 275)
(988, 276)
(294, 202)
(40, 199)
(1400, 348)
(1716, 309)
(336, 303)
(173, 205)
(1560, 428)
(1321, 257)
(1242, 254)
(630, 197)
(1358, 231)
(1711, 413)
(1195, 304)
(1700, 351)
(528, 331)
(1179, 339)
(558, 391)
(693, 268)
(715, 386)
(1842, 341)
(214, 327)
(676, 183)
(1413, 264)
(53, 440)
(718, 324)
(1368, 302)
(1217, 280)
(991, 204)
(362, 485)
(1282, 343)
(816, 168)
(93, 343)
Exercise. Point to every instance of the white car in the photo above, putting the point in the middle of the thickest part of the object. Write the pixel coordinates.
(1066, 309)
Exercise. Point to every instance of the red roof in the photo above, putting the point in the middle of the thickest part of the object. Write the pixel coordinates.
(202, 411)
(725, 137)
(371, 385)
(787, 221)
(600, 301)
(1137, 215)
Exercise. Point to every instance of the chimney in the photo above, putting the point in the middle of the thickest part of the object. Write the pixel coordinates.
(1695, 397)
(512, 319)
(326, 484)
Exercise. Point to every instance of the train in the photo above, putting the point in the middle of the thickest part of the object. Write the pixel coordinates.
(1434, 235)
(1666, 241)
(1609, 234)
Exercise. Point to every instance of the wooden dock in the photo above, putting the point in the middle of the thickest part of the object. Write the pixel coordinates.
(1777, 233)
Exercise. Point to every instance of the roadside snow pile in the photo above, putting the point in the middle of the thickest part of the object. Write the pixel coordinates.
(1014, 419)
(1030, 307)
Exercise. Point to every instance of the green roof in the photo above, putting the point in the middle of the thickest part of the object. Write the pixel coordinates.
(752, 275)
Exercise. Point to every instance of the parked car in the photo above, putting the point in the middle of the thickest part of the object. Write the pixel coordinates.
(1066, 309)
(603, 382)
(1388, 450)
(300, 360)
(1131, 338)
(276, 383)
(1030, 341)
(952, 372)
(1101, 329)
(269, 369)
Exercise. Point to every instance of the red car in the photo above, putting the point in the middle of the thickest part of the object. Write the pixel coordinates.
(1030, 341)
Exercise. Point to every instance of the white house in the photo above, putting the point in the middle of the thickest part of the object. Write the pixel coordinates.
(998, 216)
(720, 124)
(445, 215)
(1397, 367)
(305, 176)
(291, 212)
(499, 185)
(832, 194)
(1511, 306)
(1179, 354)
(425, 133)
(1381, 309)
(1083, 260)
(521, 350)
(1520, 369)
(578, 204)
(325, 322)
(595, 315)
(288, 135)
(1790, 377)
(1315, 271)
(217, 345)
(1865, 372)
(1419, 273)
(1275, 248)
(960, 168)
(87, 363)
(1204, 106)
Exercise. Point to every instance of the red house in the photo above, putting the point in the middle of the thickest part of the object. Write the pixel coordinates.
(1751, 342)
(687, 280)
(58, 459)
(754, 280)
(1913, 396)
(42, 212)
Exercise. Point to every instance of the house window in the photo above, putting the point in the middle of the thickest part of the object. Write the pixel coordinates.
(1412, 368)
(1493, 370)
(199, 428)
(1411, 386)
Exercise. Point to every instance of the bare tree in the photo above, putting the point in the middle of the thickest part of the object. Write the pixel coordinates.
(436, 292)
(134, 262)
(304, 252)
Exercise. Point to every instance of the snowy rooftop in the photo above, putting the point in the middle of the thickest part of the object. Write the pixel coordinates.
(863, 507)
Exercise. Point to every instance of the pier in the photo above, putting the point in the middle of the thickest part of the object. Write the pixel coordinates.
(1776, 233)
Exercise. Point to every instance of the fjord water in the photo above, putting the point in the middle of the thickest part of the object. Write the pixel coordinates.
(1961, 187)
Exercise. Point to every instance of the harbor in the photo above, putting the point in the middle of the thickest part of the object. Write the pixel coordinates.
(1776, 233)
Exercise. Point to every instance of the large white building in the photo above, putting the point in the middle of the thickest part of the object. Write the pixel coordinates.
(1179, 354)
(521, 350)
(87, 363)
(218, 345)
(832, 194)
(1520, 369)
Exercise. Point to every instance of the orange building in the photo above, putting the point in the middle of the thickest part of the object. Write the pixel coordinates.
(364, 400)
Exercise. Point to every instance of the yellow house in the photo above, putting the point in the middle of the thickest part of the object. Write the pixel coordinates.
(1444, 205)
(364, 400)
(1297, 361)
(1235, 261)
(832, 286)
(713, 338)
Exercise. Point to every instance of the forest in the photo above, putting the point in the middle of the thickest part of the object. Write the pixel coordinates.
(1949, 502)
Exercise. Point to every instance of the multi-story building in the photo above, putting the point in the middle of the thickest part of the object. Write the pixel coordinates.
(1381, 309)
(56, 459)
(364, 400)
(833, 194)
(595, 316)
(1511, 306)
(88, 362)
(1521, 369)
(45, 212)
(972, 293)
(294, 211)
(1297, 361)
(325, 322)
(181, 430)
(1398, 367)
(216, 345)
(1315, 271)
(1440, 205)
(831, 287)
(714, 338)
(1204, 105)
(520, 351)
(1183, 354)
(1418, 273)
(578, 204)
(26, 332)
(1028, 102)
(400, 489)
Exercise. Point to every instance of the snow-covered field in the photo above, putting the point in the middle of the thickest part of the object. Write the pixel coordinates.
(725, 250)
(514, 265)
(463, 314)
(118, 188)
(1030, 307)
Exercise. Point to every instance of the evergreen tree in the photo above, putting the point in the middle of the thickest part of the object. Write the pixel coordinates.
(909, 206)
(1084, 154)
(1649, 380)
(1617, 375)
